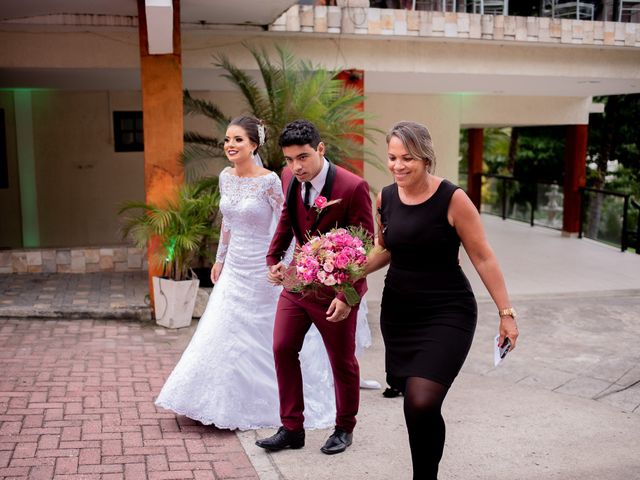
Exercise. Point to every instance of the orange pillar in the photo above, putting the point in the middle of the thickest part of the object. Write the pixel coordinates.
(575, 172)
(474, 179)
(162, 120)
(355, 79)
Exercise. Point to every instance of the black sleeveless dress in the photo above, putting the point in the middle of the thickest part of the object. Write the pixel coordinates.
(428, 310)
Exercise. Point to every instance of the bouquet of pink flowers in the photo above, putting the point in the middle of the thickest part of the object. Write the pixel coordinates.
(334, 259)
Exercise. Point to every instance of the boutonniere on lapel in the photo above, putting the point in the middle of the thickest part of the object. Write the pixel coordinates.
(321, 203)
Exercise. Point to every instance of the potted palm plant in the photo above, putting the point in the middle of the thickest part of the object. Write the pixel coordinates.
(293, 88)
(181, 227)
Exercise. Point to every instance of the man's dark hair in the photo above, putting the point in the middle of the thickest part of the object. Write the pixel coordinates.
(299, 132)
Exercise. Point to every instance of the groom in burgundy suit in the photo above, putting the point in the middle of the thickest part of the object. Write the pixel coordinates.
(308, 176)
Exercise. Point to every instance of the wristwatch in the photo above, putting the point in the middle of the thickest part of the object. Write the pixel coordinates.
(508, 312)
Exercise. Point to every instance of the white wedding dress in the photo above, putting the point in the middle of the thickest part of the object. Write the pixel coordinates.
(226, 375)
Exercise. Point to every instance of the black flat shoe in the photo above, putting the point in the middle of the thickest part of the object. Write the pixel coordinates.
(282, 439)
(337, 442)
(391, 392)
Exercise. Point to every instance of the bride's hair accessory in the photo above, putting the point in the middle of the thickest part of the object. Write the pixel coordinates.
(254, 129)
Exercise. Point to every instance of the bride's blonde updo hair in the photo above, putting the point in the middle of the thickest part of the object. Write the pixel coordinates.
(417, 140)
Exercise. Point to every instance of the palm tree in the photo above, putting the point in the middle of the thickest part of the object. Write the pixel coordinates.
(183, 226)
(293, 89)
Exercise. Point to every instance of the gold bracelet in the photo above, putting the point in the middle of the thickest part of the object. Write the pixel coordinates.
(508, 312)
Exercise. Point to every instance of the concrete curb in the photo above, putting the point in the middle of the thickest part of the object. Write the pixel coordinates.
(262, 461)
(141, 314)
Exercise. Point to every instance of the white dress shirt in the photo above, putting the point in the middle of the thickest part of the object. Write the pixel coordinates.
(317, 183)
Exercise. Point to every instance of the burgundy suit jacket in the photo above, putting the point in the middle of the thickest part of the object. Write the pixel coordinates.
(354, 209)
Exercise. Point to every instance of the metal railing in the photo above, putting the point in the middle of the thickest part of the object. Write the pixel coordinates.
(536, 203)
(605, 216)
(599, 10)
(608, 216)
(634, 237)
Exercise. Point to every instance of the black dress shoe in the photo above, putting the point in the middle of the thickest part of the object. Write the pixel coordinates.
(283, 438)
(391, 392)
(337, 442)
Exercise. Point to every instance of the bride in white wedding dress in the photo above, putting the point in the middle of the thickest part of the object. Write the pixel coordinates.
(226, 375)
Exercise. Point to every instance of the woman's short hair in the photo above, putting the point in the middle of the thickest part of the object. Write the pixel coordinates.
(254, 128)
(299, 132)
(417, 140)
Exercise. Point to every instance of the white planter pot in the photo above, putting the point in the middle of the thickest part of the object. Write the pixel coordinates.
(174, 301)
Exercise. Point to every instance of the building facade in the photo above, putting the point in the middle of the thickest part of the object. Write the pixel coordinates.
(73, 78)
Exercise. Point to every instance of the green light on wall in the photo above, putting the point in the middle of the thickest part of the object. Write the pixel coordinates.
(29, 90)
(26, 167)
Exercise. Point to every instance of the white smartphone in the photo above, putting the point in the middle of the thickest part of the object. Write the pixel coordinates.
(505, 347)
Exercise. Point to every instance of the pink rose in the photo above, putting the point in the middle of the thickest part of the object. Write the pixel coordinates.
(342, 260)
(330, 280)
(328, 266)
(320, 202)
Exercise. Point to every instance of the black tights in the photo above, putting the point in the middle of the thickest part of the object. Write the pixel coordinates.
(422, 402)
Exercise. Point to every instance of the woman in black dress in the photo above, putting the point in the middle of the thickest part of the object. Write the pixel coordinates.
(428, 311)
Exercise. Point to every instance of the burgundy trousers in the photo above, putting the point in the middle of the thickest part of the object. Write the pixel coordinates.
(294, 317)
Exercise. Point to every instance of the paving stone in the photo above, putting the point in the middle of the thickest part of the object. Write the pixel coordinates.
(584, 387)
(5, 258)
(63, 257)
(613, 369)
(34, 258)
(547, 378)
(120, 254)
(19, 260)
(625, 398)
(64, 430)
(55, 294)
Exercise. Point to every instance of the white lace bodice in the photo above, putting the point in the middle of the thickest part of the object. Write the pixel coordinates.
(250, 208)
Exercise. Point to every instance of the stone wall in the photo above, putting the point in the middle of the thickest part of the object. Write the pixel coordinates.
(455, 25)
(73, 260)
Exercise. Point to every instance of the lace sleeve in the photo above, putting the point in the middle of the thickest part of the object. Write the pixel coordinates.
(276, 200)
(275, 196)
(223, 244)
(225, 231)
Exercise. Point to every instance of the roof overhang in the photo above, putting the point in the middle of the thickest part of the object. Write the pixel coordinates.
(214, 12)
(159, 14)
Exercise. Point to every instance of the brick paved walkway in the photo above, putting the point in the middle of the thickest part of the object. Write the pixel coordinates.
(76, 402)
